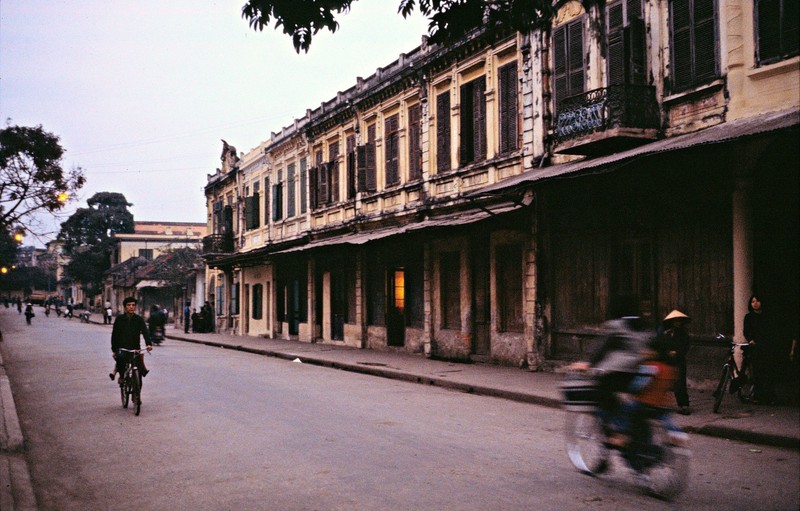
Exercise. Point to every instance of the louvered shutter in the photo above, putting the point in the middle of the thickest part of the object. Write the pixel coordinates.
(392, 150)
(635, 50)
(249, 209)
(351, 175)
(266, 201)
(705, 54)
(333, 186)
(361, 167)
(479, 119)
(443, 132)
(371, 181)
(313, 185)
(465, 139)
(414, 150)
(575, 36)
(681, 44)
(324, 192)
(508, 108)
(616, 44)
(560, 64)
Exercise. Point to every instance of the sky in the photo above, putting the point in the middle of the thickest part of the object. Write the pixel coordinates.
(141, 92)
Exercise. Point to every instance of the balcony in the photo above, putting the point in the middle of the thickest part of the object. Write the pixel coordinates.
(608, 120)
(218, 244)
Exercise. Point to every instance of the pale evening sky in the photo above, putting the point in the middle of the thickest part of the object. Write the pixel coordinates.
(141, 91)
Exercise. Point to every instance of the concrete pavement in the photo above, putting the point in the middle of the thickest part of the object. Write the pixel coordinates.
(767, 425)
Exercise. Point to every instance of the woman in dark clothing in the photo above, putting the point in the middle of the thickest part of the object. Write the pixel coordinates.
(759, 332)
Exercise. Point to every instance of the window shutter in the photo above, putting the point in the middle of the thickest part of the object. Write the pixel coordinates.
(769, 29)
(392, 139)
(508, 108)
(705, 41)
(323, 190)
(290, 191)
(227, 214)
(313, 184)
(466, 139)
(248, 213)
(351, 175)
(479, 119)
(266, 201)
(361, 167)
(560, 77)
(303, 185)
(575, 36)
(333, 167)
(681, 45)
(371, 180)
(616, 44)
(443, 132)
(414, 150)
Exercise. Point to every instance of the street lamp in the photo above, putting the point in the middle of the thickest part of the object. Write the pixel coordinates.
(19, 235)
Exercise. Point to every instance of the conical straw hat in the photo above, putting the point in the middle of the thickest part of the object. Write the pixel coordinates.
(676, 314)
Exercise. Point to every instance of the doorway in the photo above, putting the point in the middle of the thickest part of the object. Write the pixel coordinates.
(395, 313)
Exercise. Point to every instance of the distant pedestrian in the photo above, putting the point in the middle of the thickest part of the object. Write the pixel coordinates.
(186, 317)
(208, 317)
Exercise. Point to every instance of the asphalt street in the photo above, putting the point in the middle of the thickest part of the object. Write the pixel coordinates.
(227, 429)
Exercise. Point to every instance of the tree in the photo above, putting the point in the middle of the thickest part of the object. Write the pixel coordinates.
(174, 268)
(449, 19)
(87, 236)
(31, 177)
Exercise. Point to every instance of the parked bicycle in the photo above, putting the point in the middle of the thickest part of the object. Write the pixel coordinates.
(130, 383)
(735, 379)
(658, 457)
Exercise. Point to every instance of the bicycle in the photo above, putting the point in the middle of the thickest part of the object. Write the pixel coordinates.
(130, 383)
(739, 379)
(659, 458)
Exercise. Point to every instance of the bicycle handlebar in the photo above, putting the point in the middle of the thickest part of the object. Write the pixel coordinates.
(138, 351)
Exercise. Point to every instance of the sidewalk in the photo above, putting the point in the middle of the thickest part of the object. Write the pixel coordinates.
(766, 425)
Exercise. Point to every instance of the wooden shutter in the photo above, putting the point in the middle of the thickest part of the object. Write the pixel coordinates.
(694, 54)
(351, 175)
(313, 185)
(575, 52)
(414, 149)
(371, 178)
(616, 45)
(705, 51)
(361, 167)
(248, 213)
(479, 119)
(323, 175)
(466, 141)
(290, 191)
(392, 151)
(560, 75)
(266, 201)
(509, 116)
(443, 132)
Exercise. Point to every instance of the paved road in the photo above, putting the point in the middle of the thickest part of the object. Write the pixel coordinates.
(223, 429)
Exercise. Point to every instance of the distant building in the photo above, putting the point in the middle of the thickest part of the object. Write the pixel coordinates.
(151, 239)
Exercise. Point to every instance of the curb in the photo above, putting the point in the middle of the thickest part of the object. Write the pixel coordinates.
(16, 489)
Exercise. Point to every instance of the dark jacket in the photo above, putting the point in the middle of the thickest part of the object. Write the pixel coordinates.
(126, 331)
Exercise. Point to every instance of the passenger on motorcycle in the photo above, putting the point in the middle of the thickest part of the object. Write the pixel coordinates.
(650, 394)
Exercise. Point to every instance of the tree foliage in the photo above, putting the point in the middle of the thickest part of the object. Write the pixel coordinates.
(174, 268)
(448, 19)
(31, 177)
(87, 237)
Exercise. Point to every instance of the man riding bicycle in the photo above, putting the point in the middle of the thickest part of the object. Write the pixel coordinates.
(125, 334)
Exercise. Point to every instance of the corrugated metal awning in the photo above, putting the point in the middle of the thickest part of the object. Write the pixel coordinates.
(725, 132)
(449, 220)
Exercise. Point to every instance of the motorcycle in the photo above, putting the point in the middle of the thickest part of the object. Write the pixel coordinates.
(157, 335)
(659, 458)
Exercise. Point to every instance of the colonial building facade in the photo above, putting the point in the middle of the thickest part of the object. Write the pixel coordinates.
(497, 198)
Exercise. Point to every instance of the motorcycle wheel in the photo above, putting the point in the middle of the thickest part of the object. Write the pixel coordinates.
(669, 476)
(586, 443)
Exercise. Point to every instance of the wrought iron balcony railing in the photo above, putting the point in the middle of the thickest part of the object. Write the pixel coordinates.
(218, 244)
(617, 106)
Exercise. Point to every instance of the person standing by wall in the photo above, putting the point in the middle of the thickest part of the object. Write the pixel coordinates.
(676, 338)
(768, 357)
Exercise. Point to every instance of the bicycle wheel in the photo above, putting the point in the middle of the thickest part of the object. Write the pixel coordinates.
(747, 386)
(585, 443)
(724, 381)
(136, 391)
(124, 389)
(669, 477)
